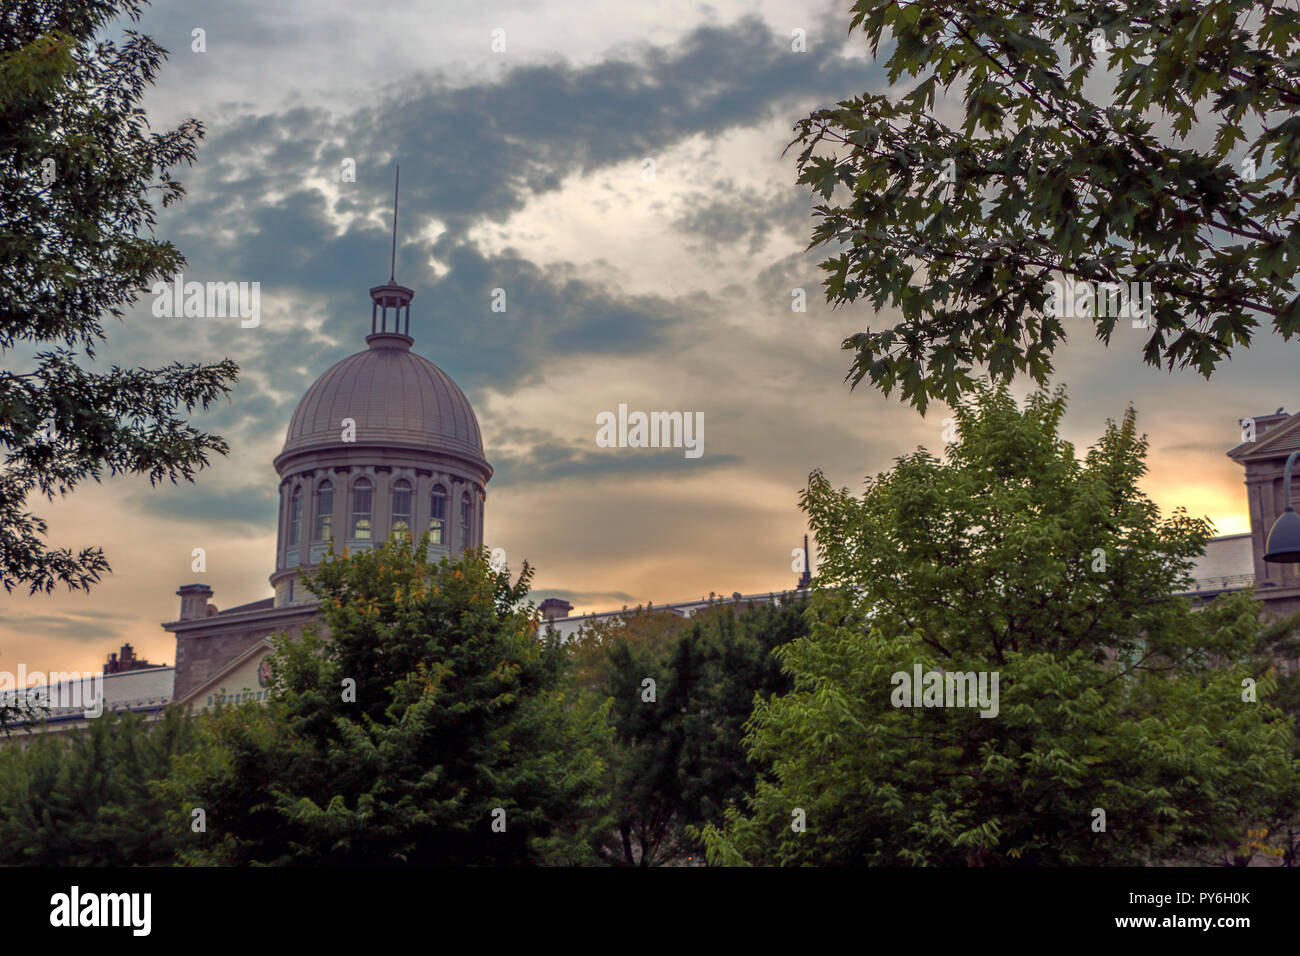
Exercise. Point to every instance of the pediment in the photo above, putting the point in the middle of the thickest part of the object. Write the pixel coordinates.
(240, 676)
(1277, 443)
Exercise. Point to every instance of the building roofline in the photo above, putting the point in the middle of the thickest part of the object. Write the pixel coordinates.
(140, 670)
(1252, 450)
(679, 605)
(282, 462)
(221, 619)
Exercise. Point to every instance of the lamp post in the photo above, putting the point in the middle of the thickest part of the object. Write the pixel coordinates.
(1283, 544)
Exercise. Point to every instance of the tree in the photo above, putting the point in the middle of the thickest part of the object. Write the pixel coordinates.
(1277, 837)
(613, 661)
(677, 761)
(430, 728)
(1184, 176)
(78, 164)
(92, 797)
(1120, 729)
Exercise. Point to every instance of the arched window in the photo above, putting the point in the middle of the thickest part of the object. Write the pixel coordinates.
(295, 516)
(465, 515)
(402, 507)
(324, 512)
(361, 494)
(437, 514)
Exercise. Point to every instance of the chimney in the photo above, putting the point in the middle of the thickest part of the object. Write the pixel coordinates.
(553, 608)
(805, 579)
(194, 601)
(125, 660)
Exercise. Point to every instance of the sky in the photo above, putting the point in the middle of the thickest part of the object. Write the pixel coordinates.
(524, 168)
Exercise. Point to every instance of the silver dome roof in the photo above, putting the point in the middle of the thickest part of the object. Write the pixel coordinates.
(396, 398)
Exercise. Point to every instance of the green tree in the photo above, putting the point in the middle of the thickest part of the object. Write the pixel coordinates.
(677, 760)
(1114, 694)
(92, 797)
(77, 166)
(431, 710)
(613, 660)
(1277, 838)
(1123, 141)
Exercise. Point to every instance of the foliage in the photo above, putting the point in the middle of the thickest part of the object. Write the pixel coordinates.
(77, 166)
(1116, 141)
(1277, 838)
(91, 797)
(1114, 694)
(458, 712)
(677, 761)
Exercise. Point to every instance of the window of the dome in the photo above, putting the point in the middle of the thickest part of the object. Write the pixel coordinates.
(295, 516)
(437, 514)
(361, 506)
(324, 511)
(465, 514)
(402, 507)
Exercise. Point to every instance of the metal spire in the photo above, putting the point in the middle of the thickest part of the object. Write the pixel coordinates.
(391, 298)
(392, 273)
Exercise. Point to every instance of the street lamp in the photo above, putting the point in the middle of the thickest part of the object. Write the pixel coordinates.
(1283, 544)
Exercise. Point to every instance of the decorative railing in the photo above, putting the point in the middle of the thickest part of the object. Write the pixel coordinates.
(1223, 583)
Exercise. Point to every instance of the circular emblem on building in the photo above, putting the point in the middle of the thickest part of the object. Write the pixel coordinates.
(264, 672)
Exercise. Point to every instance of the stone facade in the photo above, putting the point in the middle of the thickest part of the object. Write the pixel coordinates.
(1263, 456)
(206, 644)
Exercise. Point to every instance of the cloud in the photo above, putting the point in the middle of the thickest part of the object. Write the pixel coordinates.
(82, 627)
(582, 598)
(554, 460)
(725, 216)
(263, 204)
(246, 511)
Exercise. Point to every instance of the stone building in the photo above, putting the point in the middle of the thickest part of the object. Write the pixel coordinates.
(382, 441)
(69, 700)
(1270, 440)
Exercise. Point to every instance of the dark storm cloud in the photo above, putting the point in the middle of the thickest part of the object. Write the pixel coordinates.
(85, 627)
(471, 154)
(552, 460)
(727, 217)
(251, 509)
(581, 598)
(230, 23)
(483, 150)
(551, 316)
(475, 153)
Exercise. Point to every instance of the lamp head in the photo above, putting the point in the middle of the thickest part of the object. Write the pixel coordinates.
(1283, 544)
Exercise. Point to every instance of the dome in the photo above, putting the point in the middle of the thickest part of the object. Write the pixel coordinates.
(397, 399)
(409, 459)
